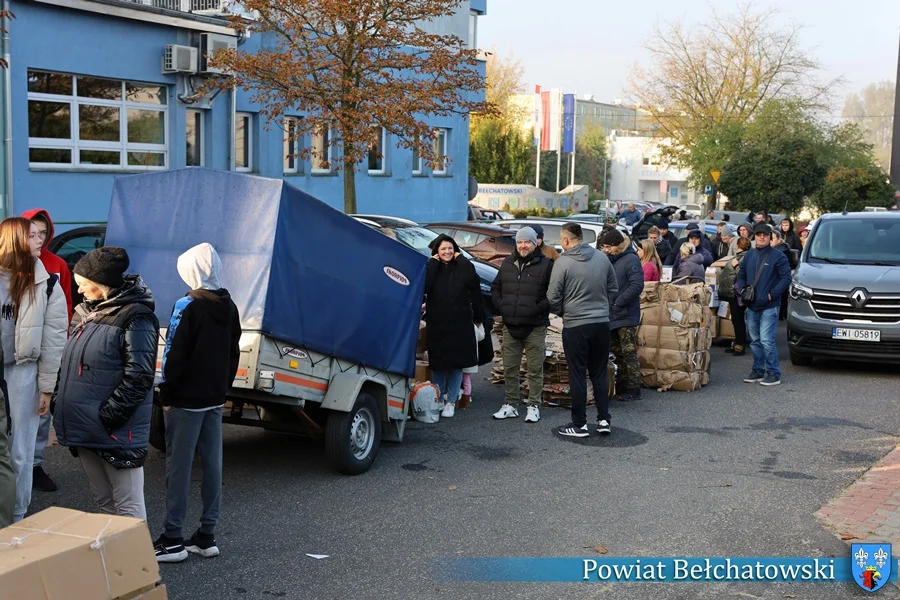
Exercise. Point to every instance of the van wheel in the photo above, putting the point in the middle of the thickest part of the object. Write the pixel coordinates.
(801, 360)
(352, 439)
(158, 428)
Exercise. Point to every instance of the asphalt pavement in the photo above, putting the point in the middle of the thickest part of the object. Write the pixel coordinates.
(734, 469)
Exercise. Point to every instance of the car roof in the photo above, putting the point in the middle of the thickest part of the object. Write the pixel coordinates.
(385, 219)
(476, 227)
(584, 224)
(887, 216)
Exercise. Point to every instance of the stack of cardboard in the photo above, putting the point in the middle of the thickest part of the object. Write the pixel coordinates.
(63, 554)
(423, 373)
(675, 336)
(556, 391)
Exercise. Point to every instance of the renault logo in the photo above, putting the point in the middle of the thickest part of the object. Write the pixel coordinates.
(859, 298)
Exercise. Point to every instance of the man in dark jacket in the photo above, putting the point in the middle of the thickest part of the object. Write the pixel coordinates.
(790, 236)
(701, 246)
(663, 248)
(625, 314)
(519, 292)
(667, 235)
(768, 271)
(199, 364)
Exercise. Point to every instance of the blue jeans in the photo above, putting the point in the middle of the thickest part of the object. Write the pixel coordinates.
(43, 436)
(449, 383)
(762, 326)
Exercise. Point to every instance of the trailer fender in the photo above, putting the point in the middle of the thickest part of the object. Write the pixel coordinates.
(345, 387)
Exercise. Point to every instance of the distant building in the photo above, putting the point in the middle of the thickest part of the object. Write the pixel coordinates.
(640, 173)
(521, 197)
(614, 117)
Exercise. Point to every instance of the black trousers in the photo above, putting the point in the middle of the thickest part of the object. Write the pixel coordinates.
(739, 321)
(587, 352)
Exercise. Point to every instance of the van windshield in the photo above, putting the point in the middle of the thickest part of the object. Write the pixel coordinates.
(860, 241)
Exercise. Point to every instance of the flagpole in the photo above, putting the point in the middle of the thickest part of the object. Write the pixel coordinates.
(538, 132)
(537, 171)
(559, 144)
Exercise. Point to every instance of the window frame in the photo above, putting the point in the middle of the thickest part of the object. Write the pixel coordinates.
(383, 158)
(473, 30)
(418, 163)
(75, 145)
(443, 170)
(289, 124)
(201, 135)
(249, 142)
(314, 158)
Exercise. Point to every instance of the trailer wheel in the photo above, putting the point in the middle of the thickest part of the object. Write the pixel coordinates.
(352, 439)
(158, 428)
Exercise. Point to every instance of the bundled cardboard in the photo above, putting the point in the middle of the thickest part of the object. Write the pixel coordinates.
(63, 554)
(672, 360)
(685, 339)
(655, 292)
(674, 314)
(679, 381)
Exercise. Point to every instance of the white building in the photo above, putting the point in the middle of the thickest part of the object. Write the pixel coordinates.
(639, 173)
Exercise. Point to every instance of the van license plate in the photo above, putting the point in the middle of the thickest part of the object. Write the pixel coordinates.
(857, 335)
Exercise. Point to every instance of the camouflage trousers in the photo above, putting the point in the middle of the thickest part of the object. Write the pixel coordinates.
(623, 343)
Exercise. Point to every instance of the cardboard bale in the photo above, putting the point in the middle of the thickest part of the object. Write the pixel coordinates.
(680, 381)
(685, 339)
(63, 554)
(726, 329)
(655, 292)
(673, 314)
(712, 321)
(672, 360)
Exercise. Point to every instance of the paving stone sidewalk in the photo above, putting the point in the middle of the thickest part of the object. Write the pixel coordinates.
(869, 510)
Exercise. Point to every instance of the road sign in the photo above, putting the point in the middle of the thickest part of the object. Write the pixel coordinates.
(715, 176)
(709, 190)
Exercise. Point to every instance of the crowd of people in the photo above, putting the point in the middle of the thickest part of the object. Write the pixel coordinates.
(596, 291)
(92, 367)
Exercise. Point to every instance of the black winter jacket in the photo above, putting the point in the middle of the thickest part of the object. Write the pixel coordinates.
(104, 392)
(452, 307)
(519, 292)
(202, 350)
(625, 305)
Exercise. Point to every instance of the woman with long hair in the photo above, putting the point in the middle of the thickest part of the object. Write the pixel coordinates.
(33, 325)
(649, 261)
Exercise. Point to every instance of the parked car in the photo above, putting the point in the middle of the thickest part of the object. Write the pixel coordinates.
(843, 299)
(639, 230)
(553, 228)
(487, 242)
(601, 216)
(75, 243)
(495, 215)
(419, 238)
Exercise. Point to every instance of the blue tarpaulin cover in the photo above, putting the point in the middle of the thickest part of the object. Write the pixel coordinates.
(298, 270)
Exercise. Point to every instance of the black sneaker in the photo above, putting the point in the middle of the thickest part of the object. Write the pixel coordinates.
(603, 427)
(572, 430)
(771, 379)
(169, 550)
(630, 396)
(41, 481)
(755, 376)
(203, 544)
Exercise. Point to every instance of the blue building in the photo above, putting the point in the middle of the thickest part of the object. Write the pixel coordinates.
(89, 100)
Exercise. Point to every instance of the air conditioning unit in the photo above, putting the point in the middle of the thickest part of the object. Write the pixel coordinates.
(180, 59)
(210, 43)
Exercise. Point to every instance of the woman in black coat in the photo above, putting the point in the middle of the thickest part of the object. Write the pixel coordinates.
(453, 307)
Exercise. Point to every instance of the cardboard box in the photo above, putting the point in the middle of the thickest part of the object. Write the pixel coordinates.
(726, 329)
(673, 314)
(679, 381)
(672, 360)
(63, 554)
(685, 339)
(423, 372)
(157, 593)
(655, 292)
(422, 340)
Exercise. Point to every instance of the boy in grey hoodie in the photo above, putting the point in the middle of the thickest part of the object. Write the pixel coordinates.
(580, 286)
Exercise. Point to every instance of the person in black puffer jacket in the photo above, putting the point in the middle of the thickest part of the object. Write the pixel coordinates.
(625, 314)
(102, 402)
(519, 292)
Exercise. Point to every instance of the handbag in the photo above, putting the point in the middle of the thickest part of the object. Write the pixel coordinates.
(748, 292)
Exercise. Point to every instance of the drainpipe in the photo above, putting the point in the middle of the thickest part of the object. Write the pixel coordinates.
(7, 118)
(233, 127)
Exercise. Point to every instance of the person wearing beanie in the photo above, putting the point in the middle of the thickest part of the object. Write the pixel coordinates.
(670, 237)
(625, 314)
(199, 364)
(724, 245)
(701, 245)
(103, 399)
(549, 251)
(33, 332)
(519, 293)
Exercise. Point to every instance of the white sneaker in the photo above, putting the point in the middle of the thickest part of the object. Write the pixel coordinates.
(507, 411)
(534, 414)
(449, 411)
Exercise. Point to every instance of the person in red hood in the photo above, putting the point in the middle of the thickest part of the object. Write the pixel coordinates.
(54, 264)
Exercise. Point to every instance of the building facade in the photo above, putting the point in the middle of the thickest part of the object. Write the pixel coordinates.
(614, 117)
(639, 173)
(90, 101)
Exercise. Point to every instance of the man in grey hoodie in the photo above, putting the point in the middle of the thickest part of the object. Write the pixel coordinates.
(581, 284)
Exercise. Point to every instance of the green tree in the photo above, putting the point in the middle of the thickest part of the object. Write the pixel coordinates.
(499, 153)
(591, 154)
(854, 189)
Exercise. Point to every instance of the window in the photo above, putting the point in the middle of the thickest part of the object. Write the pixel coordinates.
(292, 143)
(473, 30)
(418, 163)
(243, 143)
(376, 154)
(440, 151)
(468, 239)
(651, 160)
(89, 122)
(321, 150)
(194, 132)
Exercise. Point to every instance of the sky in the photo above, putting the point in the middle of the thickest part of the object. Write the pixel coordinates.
(590, 46)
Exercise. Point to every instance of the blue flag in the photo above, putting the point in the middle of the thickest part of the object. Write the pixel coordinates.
(568, 123)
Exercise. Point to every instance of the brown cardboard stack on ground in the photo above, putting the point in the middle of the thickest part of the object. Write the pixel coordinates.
(556, 390)
(423, 373)
(63, 554)
(675, 336)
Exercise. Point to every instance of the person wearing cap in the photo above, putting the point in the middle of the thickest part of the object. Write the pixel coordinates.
(549, 251)
(667, 235)
(519, 292)
(104, 394)
(581, 285)
(768, 272)
(624, 313)
(727, 238)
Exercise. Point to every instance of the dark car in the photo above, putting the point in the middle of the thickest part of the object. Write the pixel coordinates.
(487, 242)
(75, 243)
(640, 229)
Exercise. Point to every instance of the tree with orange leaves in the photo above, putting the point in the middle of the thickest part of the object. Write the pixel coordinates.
(356, 66)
